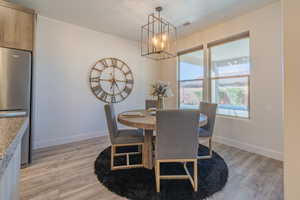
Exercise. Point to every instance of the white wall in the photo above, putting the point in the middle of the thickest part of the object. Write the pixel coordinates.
(263, 133)
(65, 109)
(291, 32)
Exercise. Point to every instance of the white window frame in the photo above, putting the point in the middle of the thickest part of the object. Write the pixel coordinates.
(197, 48)
(207, 80)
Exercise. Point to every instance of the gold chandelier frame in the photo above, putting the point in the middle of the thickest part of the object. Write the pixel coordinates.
(158, 37)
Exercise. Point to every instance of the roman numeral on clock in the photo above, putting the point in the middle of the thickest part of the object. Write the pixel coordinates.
(97, 89)
(103, 96)
(113, 99)
(127, 73)
(122, 97)
(99, 70)
(127, 90)
(129, 81)
(114, 62)
(104, 63)
(122, 66)
(95, 79)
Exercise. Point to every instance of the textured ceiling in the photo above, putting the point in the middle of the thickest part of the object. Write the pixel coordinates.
(125, 17)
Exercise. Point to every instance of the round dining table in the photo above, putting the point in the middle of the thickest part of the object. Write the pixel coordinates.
(147, 121)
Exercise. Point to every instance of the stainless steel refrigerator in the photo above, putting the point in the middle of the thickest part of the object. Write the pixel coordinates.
(15, 84)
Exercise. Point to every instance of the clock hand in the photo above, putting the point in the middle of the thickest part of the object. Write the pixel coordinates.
(113, 90)
(112, 86)
(118, 87)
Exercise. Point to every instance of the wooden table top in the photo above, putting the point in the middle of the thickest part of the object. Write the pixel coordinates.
(147, 121)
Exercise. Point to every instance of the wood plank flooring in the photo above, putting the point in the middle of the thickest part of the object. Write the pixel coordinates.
(66, 172)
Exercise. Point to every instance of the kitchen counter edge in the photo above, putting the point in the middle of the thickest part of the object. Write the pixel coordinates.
(13, 144)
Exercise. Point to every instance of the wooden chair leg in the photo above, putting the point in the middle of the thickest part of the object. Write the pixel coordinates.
(195, 176)
(141, 149)
(210, 151)
(112, 157)
(210, 147)
(157, 175)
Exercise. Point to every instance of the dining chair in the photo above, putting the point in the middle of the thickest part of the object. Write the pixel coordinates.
(150, 103)
(176, 142)
(206, 132)
(123, 138)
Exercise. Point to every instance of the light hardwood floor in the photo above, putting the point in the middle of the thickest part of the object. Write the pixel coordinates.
(66, 172)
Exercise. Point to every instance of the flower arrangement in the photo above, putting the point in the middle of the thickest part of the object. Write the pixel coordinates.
(161, 89)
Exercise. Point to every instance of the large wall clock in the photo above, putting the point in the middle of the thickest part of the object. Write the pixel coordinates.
(111, 80)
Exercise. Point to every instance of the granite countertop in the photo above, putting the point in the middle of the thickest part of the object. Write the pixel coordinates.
(12, 130)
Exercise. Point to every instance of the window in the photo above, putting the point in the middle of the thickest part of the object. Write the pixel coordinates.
(228, 76)
(230, 70)
(191, 78)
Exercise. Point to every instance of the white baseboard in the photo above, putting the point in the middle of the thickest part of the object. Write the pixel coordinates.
(64, 140)
(249, 147)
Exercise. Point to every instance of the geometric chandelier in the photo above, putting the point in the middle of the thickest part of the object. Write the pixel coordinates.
(158, 37)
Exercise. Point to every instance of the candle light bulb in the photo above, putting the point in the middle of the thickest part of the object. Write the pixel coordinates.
(154, 41)
(162, 45)
(164, 37)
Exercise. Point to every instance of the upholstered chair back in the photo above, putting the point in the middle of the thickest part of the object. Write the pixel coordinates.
(150, 104)
(177, 132)
(209, 109)
(111, 121)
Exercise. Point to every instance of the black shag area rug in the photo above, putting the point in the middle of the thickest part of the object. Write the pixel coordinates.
(139, 183)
